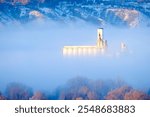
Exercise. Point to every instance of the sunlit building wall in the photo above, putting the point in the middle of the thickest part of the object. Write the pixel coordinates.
(100, 47)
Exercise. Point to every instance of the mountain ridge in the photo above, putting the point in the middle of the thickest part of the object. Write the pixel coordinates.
(130, 14)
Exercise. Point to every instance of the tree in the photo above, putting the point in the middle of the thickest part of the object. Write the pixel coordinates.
(118, 94)
(100, 88)
(126, 93)
(2, 97)
(16, 91)
(136, 95)
(38, 96)
(79, 88)
(75, 88)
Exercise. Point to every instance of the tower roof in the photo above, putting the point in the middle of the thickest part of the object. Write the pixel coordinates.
(100, 28)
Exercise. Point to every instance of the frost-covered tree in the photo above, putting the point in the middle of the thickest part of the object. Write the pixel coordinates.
(2, 97)
(38, 96)
(83, 88)
(136, 95)
(78, 88)
(16, 91)
(118, 94)
(126, 93)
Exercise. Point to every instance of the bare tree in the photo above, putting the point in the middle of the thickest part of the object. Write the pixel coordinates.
(2, 97)
(38, 96)
(16, 91)
(118, 94)
(136, 95)
(81, 88)
(126, 93)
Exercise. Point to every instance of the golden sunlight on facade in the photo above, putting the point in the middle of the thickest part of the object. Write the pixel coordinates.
(100, 47)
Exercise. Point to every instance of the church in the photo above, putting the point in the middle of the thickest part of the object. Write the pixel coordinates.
(100, 47)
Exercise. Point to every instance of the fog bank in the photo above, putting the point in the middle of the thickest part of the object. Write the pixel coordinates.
(32, 54)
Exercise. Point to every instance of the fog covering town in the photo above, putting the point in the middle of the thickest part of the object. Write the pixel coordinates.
(32, 65)
(32, 56)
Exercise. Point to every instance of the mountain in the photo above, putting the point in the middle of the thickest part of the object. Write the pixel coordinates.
(99, 12)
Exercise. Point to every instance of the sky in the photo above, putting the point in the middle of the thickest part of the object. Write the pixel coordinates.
(32, 54)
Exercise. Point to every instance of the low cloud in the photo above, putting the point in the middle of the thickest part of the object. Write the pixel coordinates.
(32, 54)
